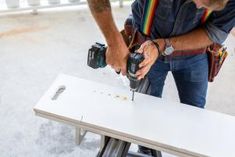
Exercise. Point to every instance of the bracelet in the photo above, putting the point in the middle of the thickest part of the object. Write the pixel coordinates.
(157, 46)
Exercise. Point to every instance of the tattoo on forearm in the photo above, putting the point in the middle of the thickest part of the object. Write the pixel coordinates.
(99, 5)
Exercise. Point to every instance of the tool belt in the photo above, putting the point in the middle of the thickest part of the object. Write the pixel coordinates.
(216, 52)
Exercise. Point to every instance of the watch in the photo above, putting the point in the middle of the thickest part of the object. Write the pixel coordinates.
(169, 49)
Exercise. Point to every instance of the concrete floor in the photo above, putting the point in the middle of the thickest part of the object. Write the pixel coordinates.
(35, 49)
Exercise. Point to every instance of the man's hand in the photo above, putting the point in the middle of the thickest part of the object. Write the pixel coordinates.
(117, 51)
(151, 54)
(117, 54)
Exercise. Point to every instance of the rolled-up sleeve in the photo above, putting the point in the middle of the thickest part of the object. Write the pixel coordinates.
(221, 22)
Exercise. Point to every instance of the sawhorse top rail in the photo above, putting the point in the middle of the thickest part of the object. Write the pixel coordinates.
(149, 121)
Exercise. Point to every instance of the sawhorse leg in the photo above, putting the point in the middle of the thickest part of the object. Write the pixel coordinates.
(79, 135)
(113, 147)
(118, 148)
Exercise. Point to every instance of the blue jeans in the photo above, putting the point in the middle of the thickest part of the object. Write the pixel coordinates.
(190, 74)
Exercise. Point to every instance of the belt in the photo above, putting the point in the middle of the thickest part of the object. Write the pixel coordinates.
(188, 52)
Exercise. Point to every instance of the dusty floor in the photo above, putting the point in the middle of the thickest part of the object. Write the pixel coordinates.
(35, 49)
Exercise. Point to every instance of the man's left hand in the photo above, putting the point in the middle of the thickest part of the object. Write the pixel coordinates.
(151, 54)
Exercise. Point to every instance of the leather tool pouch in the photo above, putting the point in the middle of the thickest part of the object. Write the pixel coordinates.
(131, 35)
(216, 56)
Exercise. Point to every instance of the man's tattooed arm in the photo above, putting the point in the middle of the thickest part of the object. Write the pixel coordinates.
(117, 51)
(99, 5)
(101, 11)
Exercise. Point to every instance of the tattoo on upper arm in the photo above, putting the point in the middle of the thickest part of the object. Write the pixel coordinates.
(99, 5)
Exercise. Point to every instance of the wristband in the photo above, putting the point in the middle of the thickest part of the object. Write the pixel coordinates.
(157, 46)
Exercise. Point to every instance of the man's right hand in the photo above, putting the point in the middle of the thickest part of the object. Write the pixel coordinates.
(117, 51)
(117, 54)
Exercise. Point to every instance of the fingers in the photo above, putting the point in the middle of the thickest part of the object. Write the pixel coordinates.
(123, 71)
(143, 71)
(142, 47)
(119, 70)
(146, 64)
(146, 60)
(116, 57)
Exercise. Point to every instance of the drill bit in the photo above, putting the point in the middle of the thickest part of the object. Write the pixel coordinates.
(133, 94)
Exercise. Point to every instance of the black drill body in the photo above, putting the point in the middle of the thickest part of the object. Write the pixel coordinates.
(96, 59)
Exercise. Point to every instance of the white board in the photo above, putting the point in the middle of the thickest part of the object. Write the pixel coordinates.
(173, 127)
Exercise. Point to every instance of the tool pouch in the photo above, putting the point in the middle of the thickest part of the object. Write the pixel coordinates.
(131, 35)
(216, 56)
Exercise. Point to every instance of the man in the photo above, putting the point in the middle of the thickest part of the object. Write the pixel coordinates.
(176, 28)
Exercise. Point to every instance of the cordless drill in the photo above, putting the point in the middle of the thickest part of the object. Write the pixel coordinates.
(96, 59)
